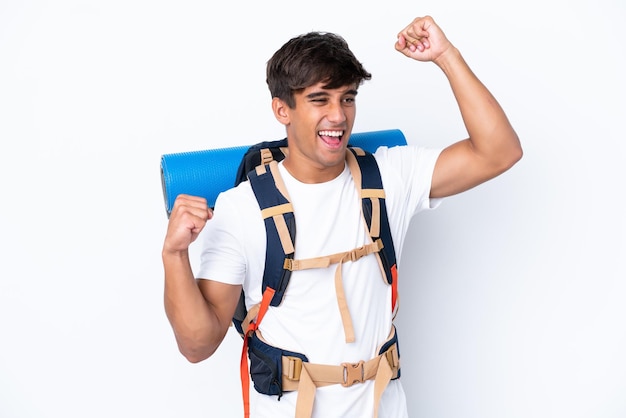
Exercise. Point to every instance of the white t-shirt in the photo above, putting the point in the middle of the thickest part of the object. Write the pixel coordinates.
(308, 321)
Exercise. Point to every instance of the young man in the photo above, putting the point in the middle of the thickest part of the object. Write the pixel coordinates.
(314, 80)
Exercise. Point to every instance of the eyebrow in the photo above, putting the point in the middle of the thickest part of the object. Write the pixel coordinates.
(317, 94)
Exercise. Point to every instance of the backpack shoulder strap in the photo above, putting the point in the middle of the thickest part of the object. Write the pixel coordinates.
(260, 154)
(368, 181)
(280, 226)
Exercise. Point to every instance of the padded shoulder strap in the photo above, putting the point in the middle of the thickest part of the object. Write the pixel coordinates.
(280, 225)
(366, 176)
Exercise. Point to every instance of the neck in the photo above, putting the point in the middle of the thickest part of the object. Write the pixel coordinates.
(305, 172)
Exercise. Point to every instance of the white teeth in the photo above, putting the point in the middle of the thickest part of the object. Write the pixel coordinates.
(331, 133)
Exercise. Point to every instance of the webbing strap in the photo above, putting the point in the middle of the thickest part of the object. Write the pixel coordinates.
(344, 311)
(250, 316)
(394, 291)
(324, 375)
(309, 377)
(278, 217)
(373, 194)
(244, 373)
(266, 156)
(339, 259)
(276, 210)
(283, 234)
(375, 222)
(325, 261)
(383, 377)
(244, 370)
(280, 184)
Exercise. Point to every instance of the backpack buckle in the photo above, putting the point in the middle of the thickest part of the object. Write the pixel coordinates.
(289, 264)
(293, 368)
(266, 156)
(359, 252)
(392, 358)
(353, 373)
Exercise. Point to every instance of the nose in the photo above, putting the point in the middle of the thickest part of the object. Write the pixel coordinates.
(336, 112)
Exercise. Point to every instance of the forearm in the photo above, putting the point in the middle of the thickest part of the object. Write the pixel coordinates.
(196, 326)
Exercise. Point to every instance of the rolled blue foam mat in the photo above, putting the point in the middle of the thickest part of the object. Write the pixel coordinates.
(207, 173)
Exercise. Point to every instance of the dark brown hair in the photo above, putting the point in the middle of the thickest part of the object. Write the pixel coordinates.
(309, 59)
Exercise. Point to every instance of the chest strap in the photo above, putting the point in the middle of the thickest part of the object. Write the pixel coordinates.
(339, 259)
(323, 262)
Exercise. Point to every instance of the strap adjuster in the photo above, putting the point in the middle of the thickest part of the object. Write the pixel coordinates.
(290, 264)
(294, 368)
(392, 358)
(357, 253)
(353, 373)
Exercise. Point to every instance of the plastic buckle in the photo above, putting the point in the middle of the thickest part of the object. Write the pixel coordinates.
(266, 156)
(353, 373)
(288, 264)
(294, 368)
(392, 358)
(357, 253)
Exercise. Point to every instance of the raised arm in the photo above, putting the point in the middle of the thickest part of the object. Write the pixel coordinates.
(200, 311)
(493, 146)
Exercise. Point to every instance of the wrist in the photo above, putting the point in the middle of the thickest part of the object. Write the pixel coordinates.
(449, 59)
(173, 253)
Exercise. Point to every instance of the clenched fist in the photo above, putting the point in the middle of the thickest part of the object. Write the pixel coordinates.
(187, 219)
(423, 40)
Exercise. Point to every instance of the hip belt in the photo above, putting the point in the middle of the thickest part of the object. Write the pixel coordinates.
(275, 371)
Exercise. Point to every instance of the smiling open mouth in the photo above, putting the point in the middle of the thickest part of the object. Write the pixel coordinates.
(331, 138)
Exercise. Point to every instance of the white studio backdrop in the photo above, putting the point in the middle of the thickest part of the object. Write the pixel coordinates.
(511, 294)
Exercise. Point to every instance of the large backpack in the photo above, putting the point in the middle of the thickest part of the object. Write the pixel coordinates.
(277, 269)
(274, 370)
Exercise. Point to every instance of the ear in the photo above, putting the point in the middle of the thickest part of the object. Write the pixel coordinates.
(281, 111)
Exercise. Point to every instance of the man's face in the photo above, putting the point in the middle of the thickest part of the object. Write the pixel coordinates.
(318, 128)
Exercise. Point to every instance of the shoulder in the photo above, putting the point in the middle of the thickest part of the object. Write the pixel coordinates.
(406, 160)
(240, 197)
(409, 153)
(231, 237)
(236, 209)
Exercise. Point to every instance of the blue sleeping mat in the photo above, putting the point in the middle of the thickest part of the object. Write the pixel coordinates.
(207, 173)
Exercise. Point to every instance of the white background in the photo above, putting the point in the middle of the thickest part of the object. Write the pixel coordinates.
(512, 293)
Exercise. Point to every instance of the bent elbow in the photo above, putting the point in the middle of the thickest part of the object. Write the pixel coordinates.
(196, 353)
(195, 356)
(194, 359)
(517, 151)
(516, 155)
(513, 154)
